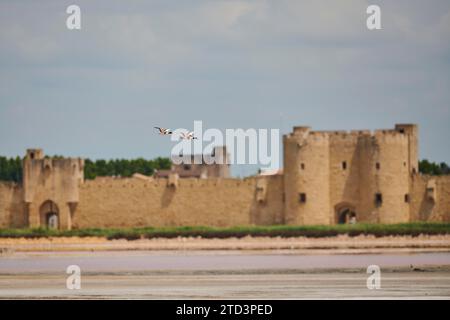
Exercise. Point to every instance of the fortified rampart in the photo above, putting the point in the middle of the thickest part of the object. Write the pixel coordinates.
(430, 198)
(340, 175)
(328, 177)
(133, 202)
(12, 209)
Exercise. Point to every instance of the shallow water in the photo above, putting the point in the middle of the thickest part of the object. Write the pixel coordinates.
(206, 260)
(223, 275)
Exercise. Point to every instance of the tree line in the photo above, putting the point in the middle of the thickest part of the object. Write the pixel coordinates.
(432, 168)
(11, 168)
(123, 167)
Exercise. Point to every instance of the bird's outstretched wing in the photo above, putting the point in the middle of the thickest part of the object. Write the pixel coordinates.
(163, 131)
(187, 136)
(191, 136)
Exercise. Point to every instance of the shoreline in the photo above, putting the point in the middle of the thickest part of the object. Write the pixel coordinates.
(339, 244)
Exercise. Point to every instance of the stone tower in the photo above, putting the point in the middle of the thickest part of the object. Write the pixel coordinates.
(333, 176)
(306, 177)
(384, 176)
(51, 188)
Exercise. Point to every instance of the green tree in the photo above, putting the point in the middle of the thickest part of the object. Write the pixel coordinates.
(432, 168)
(11, 169)
(123, 167)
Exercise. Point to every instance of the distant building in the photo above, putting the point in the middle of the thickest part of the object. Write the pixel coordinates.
(328, 177)
(198, 168)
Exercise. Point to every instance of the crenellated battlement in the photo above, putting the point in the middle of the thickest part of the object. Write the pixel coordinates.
(328, 177)
(361, 168)
(131, 182)
(399, 131)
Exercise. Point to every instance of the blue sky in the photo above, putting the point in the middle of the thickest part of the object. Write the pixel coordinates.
(99, 91)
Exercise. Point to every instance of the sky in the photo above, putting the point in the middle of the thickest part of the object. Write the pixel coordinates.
(99, 91)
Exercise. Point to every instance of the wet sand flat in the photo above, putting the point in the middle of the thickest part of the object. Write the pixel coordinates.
(328, 285)
(224, 275)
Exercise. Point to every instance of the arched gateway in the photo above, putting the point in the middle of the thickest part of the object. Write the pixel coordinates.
(49, 215)
(345, 213)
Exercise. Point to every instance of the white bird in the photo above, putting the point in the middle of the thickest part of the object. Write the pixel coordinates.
(187, 136)
(164, 131)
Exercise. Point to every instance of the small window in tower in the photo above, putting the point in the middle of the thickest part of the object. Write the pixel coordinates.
(378, 199)
(187, 167)
(32, 155)
(407, 198)
(404, 163)
(302, 197)
(377, 165)
(302, 166)
(402, 130)
(344, 165)
(414, 170)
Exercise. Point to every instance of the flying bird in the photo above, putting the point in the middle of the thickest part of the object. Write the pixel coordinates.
(164, 131)
(187, 136)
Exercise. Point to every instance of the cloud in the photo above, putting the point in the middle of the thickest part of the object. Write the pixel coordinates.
(229, 63)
